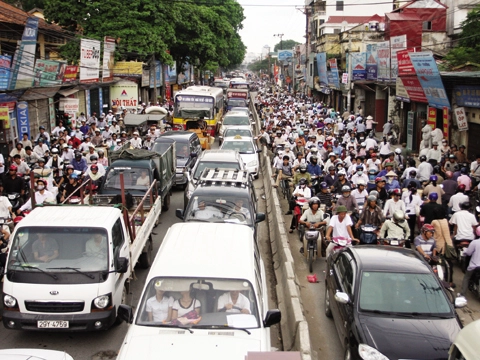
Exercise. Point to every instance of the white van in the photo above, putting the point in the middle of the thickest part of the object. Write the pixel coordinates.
(205, 296)
(465, 345)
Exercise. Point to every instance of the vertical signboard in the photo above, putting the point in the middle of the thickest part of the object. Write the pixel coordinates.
(359, 65)
(445, 123)
(157, 72)
(51, 113)
(24, 58)
(333, 79)
(383, 53)
(22, 118)
(89, 61)
(410, 129)
(461, 117)
(108, 58)
(5, 117)
(414, 89)
(5, 63)
(405, 66)
(400, 91)
(372, 59)
(429, 77)
(322, 68)
(398, 43)
(70, 74)
(432, 117)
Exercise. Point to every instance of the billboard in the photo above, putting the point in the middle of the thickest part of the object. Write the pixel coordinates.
(124, 93)
(383, 53)
(70, 74)
(467, 95)
(333, 78)
(285, 56)
(359, 65)
(48, 72)
(5, 63)
(405, 66)
(22, 118)
(89, 61)
(322, 68)
(158, 74)
(398, 43)
(108, 58)
(372, 60)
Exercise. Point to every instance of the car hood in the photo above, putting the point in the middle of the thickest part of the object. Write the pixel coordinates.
(411, 338)
(150, 343)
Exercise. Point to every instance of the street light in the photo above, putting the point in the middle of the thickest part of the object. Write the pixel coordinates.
(280, 36)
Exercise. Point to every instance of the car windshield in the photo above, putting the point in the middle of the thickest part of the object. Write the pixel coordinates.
(237, 103)
(228, 209)
(402, 293)
(202, 165)
(210, 303)
(243, 147)
(182, 149)
(236, 120)
(59, 249)
(242, 132)
(134, 178)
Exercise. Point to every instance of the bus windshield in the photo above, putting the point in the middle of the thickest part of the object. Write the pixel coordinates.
(194, 106)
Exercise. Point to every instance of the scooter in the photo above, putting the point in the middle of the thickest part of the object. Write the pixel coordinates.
(441, 268)
(474, 283)
(15, 201)
(461, 246)
(340, 243)
(368, 235)
(310, 245)
(392, 242)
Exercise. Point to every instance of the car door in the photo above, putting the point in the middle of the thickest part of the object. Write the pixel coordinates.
(334, 285)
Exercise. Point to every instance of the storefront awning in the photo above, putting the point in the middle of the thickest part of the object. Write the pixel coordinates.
(68, 92)
(39, 93)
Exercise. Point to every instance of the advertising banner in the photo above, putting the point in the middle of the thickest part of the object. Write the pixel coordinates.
(429, 77)
(467, 95)
(359, 65)
(285, 56)
(89, 61)
(333, 78)
(445, 123)
(4, 116)
(414, 89)
(322, 68)
(171, 73)
(158, 73)
(51, 113)
(372, 60)
(401, 92)
(405, 66)
(383, 53)
(124, 93)
(461, 117)
(345, 78)
(71, 72)
(22, 118)
(24, 58)
(398, 43)
(145, 78)
(5, 63)
(432, 117)
(48, 72)
(108, 58)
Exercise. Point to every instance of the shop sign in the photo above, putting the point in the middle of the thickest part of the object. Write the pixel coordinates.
(5, 63)
(432, 117)
(467, 95)
(401, 92)
(124, 94)
(461, 117)
(4, 116)
(414, 89)
(383, 53)
(89, 60)
(70, 74)
(445, 123)
(22, 118)
(372, 60)
(359, 65)
(51, 113)
(48, 72)
(108, 58)
(322, 68)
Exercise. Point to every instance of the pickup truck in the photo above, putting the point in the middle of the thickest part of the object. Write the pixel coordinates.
(69, 267)
(139, 168)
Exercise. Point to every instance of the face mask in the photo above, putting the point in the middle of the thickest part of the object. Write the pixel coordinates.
(40, 187)
(360, 173)
(390, 180)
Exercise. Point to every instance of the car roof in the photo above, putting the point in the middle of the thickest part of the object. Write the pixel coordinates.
(236, 113)
(73, 216)
(236, 138)
(388, 258)
(204, 248)
(219, 155)
(239, 127)
(177, 135)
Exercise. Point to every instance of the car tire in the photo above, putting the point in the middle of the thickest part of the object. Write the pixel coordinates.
(145, 259)
(328, 310)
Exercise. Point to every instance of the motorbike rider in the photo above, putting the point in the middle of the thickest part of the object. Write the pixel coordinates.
(302, 174)
(394, 204)
(382, 197)
(464, 223)
(433, 187)
(5, 205)
(465, 179)
(72, 185)
(425, 169)
(457, 199)
(313, 216)
(412, 180)
(347, 200)
(396, 227)
(371, 214)
(340, 182)
(429, 207)
(450, 164)
(340, 226)
(360, 194)
(313, 168)
(79, 163)
(22, 167)
(473, 251)
(41, 195)
(392, 182)
(425, 242)
(302, 191)
(325, 195)
(359, 175)
(12, 183)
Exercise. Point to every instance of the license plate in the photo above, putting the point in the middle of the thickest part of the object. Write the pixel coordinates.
(394, 242)
(52, 324)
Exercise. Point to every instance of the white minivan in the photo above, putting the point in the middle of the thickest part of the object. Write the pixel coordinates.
(205, 296)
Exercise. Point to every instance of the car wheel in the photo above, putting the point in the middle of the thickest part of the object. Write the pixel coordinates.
(348, 353)
(328, 310)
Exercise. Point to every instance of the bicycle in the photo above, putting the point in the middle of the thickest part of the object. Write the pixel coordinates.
(285, 186)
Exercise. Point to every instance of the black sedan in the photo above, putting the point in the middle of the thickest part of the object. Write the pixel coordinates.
(387, 304)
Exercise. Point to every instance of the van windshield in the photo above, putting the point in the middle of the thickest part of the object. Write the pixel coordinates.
(237, 103)
(198, 302)
(133, 178)
(57, 249)
(234, 209)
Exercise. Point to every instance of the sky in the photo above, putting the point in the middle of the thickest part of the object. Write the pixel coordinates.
(276, 17)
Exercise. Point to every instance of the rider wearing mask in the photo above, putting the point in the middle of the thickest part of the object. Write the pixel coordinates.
(396, 227)
(394, 204)
(13, 183)
(359, 175)
(347, 200)
(41, 195)
(302, 174)
(313, 216)
(372, 213)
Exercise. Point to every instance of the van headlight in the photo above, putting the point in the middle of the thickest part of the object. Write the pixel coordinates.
(101, 302)
(9, 301)
(369, 353)
(252, 163)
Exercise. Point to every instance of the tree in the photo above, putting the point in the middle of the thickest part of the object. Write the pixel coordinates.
(259, 65)
(26, 5)
(285, 45)
(468, 49)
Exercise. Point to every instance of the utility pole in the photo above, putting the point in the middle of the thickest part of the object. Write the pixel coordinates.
(281, 43)
(349, 83)
(154, 79)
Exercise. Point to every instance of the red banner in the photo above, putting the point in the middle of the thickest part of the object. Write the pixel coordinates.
(70, 74)
(414, 89)
(405, 66)
(432, 117)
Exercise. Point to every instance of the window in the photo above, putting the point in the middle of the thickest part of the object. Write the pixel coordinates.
(427, 25)
(311, 69)
(345, 274)
(117, 237)
(337, 31)
(339, 6)
(322, 21)
(457, 354)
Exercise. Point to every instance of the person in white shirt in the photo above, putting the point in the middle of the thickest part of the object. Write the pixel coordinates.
(464, 222)
(238, 208)
(340, 226)
(97, 247)
(5, 206)
(85, 145)
(458, 198)
(143, 180)
(360, 194)
(159, 307)
(40, 149)
(110, 116)
(370, 142)
(136, 142)
(425, 169)
(77, 133)
(434, 155)
(18, 150)
(115, 129)
(58, 128)
(204, 212)
(359, 175)
(233, 302)
(40, 196)
(374, 163)
(394, 204)
(25, 141)
(67, 153)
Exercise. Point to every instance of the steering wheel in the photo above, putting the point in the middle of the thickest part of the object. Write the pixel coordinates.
(238, 215)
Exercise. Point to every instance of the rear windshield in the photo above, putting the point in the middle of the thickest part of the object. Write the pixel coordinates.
(237, 103)
(236, 120)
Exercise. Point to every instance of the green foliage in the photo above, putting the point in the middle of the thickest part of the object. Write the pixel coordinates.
(259, 65)
(285, 45)
(27, 5)
(468, 49)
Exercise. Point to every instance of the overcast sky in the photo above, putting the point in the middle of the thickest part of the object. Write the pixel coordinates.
(277, 17)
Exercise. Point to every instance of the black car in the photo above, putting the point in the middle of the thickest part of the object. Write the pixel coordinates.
(387, 304)
(188, 149)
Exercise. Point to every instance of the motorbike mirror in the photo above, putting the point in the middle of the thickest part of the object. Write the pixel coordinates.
(259, 217)
(460, 302)
(342, 298)
(193, 155)
(179, 214)
(478, 209)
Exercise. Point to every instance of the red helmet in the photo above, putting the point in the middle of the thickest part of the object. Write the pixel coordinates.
(427, 227)
(449, 174)
(13, 168)
(373, 155)
(45, 182)
(396, 192)
(94, 167)
(461, 187)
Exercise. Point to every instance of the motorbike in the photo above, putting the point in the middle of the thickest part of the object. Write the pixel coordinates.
(393, 242)
(474, 283)
(3, 247)
(461, 246)
(15, 201)
(368, 235)
(441, 268)
(310, 245)
(340, 243)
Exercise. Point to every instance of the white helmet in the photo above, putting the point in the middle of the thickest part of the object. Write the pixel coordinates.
(398, 151)
(332, 154)
(361, 182)
(342, 172)
(363, 144)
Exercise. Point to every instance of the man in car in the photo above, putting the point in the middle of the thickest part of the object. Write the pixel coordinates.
(204, 212)
(239, 209)
(233, 302)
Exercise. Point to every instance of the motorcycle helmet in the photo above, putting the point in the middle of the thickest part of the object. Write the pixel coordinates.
(332, 154)
(433, 178)
(399, 216)
(359, 168)
(423, 158)
(13, 168)
(94, 167)
(461, 188)
(372, 172)
(464, 170)
(302, 181)
(412, 173)
(331, 168)
(323, 185)
(363, 145)
(299, 153)
(396, 192)
(45, 182)
(370, 135)
(54, 151)
(41, 160)
(398, 151)
(78, 155)
(361, 182)
(449, 174)
(465, 205)
(433, 196)
(342, 172)
(371, 198)
(313, 200)
(313, 149)
(93, 157)
(451, 156)
(303, 168)
(346, 189)
(69, 167)
(73, 176)
(427, 227)
(313, 159)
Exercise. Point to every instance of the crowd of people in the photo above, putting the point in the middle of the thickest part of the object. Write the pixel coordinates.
(337, 160)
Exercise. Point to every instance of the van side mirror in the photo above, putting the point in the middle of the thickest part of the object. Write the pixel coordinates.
(259, 151)
(193, 155)
(273, 317)
(125, 313)
(342, 298)
(122, 265)
(179, 214)
(259, 217)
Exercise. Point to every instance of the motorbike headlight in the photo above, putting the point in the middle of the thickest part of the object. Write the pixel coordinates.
(369, 353)
(252, 163)
(9, 301)
(101, 302)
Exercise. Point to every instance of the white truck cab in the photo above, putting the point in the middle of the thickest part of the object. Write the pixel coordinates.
(217, 269)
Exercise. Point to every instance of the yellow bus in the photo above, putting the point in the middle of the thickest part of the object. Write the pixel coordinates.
(196, 102)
